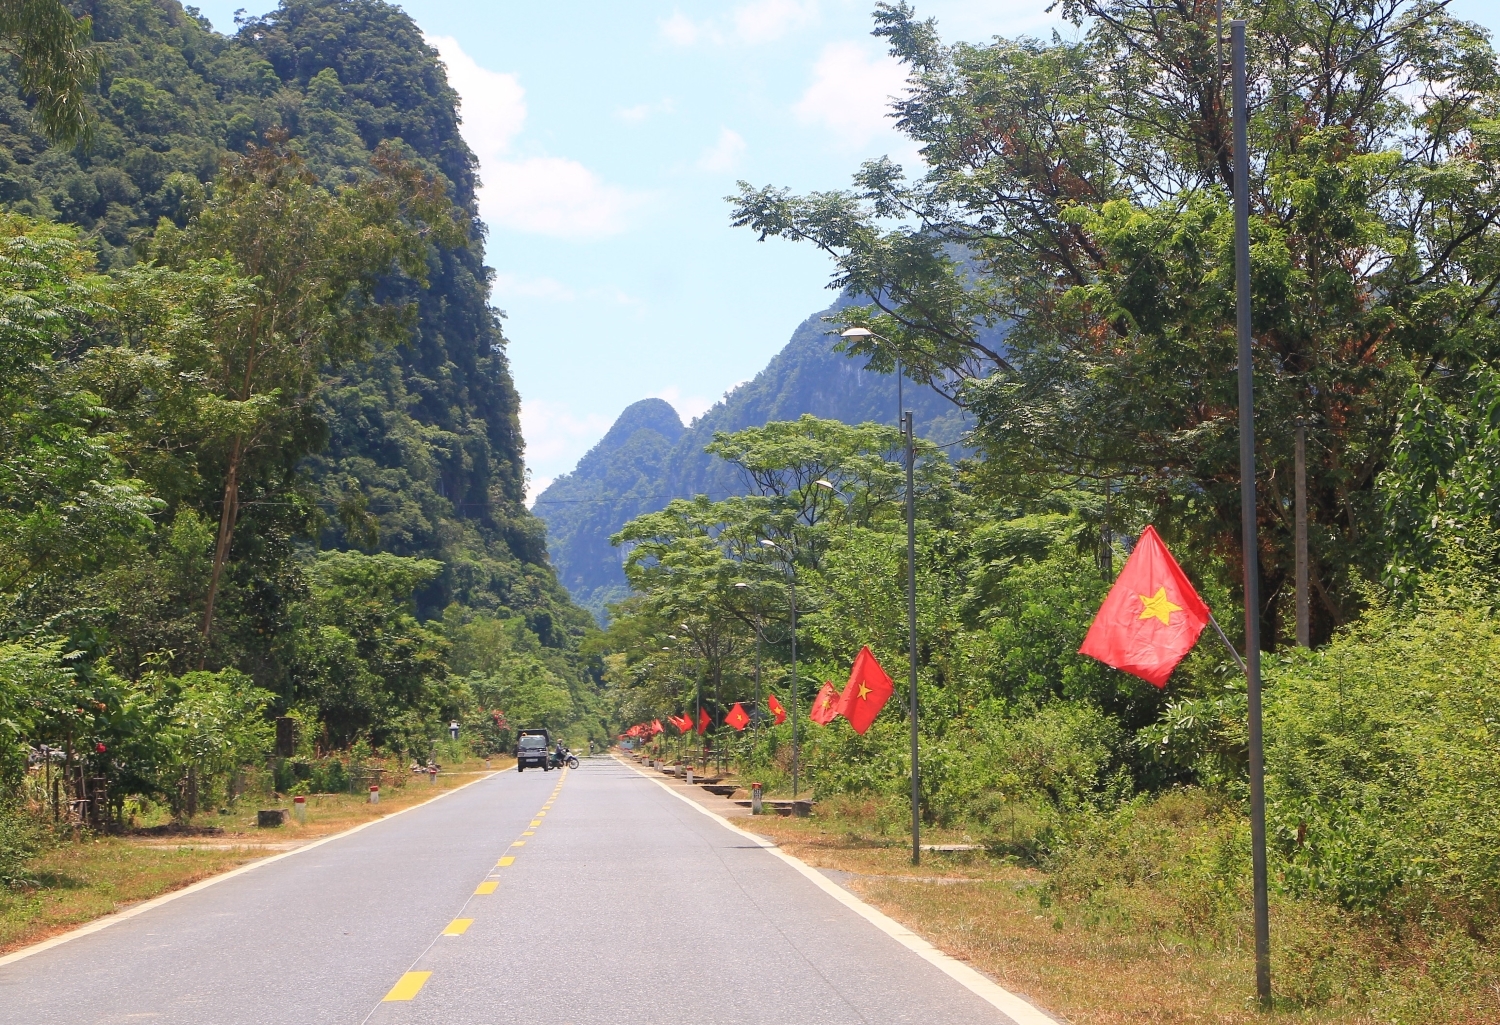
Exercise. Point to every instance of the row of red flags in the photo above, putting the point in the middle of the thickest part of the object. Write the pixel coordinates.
(863, 697)
(1149, 621)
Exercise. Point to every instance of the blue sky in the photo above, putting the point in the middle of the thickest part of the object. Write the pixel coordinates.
(608, 135)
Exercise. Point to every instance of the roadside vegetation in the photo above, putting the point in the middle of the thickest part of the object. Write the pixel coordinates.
(259, 459)
(1062, 269)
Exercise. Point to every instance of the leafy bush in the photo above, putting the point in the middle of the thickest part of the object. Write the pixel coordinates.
(1383, 765)
(22, 837)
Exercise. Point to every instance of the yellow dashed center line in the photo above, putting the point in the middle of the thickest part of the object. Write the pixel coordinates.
(408, 986)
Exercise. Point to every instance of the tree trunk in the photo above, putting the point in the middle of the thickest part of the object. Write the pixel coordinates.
(227, 516)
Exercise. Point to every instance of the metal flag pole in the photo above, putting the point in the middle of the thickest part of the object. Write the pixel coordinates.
(1248, 518)
(911, 630)
(796, 747)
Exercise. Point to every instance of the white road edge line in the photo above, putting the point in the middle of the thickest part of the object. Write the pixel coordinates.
(1016, 1008)
(155, 902)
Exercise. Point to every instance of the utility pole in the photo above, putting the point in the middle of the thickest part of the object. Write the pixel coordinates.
(1299, 487)
(911, 638)
(1248, 518)
(791, 579)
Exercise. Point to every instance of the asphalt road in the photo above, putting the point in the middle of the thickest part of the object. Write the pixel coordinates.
(613, 901)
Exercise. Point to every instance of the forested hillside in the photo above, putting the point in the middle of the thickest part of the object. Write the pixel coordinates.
(649, 458)
(259, 452)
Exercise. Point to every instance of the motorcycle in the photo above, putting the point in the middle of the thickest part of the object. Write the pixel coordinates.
(556, 761)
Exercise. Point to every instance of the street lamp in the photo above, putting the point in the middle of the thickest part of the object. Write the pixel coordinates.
(864, 332)
(753, 722)
(791, 580)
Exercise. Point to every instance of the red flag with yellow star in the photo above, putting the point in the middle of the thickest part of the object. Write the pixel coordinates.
(866, 692)
(737, 717)
(776, 709)
(825, 706)
(1151, 617)
(703, 721)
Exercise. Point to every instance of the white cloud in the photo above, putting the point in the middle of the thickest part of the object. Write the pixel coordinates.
(642, 111)
(495, 104)
(541, 194)
(535, 486)
(681, 30)
(724, 154)
(689, 407)
(767, 20)
(554, 196)
(851, 93)
(555, 436)
(759, 21)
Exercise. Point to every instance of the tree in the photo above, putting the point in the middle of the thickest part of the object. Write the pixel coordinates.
(51, 50)
(311, 263)
(1076, 198)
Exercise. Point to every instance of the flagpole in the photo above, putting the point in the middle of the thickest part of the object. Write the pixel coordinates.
(1248, 517)
(911, 630)
(792, 586)
(1223, 637)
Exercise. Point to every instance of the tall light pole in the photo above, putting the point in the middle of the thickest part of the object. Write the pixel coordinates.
(907, 432)
(755, 719)
(911, 629)
(791, 581)
(1248, 519)
(864, 332)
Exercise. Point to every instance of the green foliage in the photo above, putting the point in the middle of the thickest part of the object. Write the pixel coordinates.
(1381, 761)
(51, 53)
(1075, 196)
(1441, 486)
(289, 348)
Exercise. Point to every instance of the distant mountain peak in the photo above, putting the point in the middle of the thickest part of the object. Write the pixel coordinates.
(649, 458)
(646, 415)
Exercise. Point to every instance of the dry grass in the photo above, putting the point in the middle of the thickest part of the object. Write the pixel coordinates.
(90, 877)
(1125, 957)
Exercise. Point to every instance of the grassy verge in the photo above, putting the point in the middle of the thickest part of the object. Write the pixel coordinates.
(84, 878)
(1127, 947)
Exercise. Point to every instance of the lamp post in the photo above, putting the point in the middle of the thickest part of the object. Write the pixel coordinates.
(1248, 517)
(907, 430)
(864, 332)
(755, 719)
(791, 581)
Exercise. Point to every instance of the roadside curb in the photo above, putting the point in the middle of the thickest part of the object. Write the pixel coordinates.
(155, 902)
(1018, 1009)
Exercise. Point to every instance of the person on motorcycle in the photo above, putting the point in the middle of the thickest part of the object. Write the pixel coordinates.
(560, 755)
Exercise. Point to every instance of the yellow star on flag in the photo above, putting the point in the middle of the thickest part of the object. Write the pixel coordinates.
(1158, 605)
(863, 690)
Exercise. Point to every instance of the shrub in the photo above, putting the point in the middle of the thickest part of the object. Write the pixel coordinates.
(1383, 766)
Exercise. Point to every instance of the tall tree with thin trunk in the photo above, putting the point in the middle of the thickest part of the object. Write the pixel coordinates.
(301, 268)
